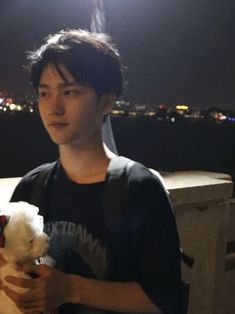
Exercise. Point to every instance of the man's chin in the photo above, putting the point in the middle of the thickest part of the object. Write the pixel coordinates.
(59, 141)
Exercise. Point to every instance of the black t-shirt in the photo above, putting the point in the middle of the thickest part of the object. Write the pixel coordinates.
(74, 219)
(77, 231)
(75, 224)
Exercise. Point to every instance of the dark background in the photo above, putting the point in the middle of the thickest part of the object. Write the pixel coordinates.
(177, 51)
(162, 145)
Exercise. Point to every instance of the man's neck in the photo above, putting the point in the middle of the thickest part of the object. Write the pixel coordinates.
(85, 164)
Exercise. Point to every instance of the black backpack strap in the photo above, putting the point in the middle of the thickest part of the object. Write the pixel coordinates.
(41, 187)
(41, 182)
(117, 218)
(33, 187)
(115, 193)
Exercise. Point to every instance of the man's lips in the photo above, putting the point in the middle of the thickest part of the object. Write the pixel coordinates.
(57, 124)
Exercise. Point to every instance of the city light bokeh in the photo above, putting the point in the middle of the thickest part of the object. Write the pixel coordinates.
(160, 112)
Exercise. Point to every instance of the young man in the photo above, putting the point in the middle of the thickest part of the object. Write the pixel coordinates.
(78, 78)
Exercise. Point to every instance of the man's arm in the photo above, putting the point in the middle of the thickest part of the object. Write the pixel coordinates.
(54, 288)
(112, 296)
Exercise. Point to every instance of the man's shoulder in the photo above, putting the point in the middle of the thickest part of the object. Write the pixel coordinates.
(141, 174)
(34, 177)
(147, 187)
(33, 174)
(134, 175)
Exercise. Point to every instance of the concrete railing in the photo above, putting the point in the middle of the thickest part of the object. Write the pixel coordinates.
(206, 224)
(7, 186)
(229, 299)
(205, 216)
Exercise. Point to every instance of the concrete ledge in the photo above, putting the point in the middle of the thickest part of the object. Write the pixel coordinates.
(7, 187)
(185, 187)
(190, 187)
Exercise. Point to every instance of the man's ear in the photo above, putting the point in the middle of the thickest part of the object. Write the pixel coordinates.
(108, 101)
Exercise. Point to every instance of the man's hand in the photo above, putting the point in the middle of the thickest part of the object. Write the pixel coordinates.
(2, 262)
(52, 288)
(49, 290)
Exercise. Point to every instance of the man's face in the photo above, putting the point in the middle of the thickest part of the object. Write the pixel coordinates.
(71, 113)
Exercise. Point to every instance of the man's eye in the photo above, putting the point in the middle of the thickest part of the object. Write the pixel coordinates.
(72, 92)
(42, 94)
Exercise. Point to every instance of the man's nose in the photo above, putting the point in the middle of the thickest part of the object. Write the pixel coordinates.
(56, 105)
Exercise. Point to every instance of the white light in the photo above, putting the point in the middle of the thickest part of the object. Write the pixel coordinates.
(12, 107)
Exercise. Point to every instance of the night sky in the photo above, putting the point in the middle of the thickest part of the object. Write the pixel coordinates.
(176, 51)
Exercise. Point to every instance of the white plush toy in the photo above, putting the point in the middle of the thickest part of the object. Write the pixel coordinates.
(22, 240)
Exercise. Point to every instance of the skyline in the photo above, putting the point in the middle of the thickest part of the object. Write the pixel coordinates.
(175, 51)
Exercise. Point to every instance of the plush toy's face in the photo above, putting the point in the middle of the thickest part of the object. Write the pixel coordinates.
(24, 236)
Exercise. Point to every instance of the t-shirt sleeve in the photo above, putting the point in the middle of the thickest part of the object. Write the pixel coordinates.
(24, 189)
(156, 241)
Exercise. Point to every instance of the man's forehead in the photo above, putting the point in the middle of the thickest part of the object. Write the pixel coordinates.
(59, 74)
(59, 70)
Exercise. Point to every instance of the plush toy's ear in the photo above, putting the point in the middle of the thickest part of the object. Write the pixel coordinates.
(3, 222)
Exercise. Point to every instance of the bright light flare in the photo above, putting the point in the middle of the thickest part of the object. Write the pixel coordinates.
(182, 107)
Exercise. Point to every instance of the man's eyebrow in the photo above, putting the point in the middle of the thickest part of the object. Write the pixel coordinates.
(61, 85)
(70, 84)
(43, 86)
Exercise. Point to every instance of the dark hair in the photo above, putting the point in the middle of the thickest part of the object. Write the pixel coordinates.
(89, 57)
